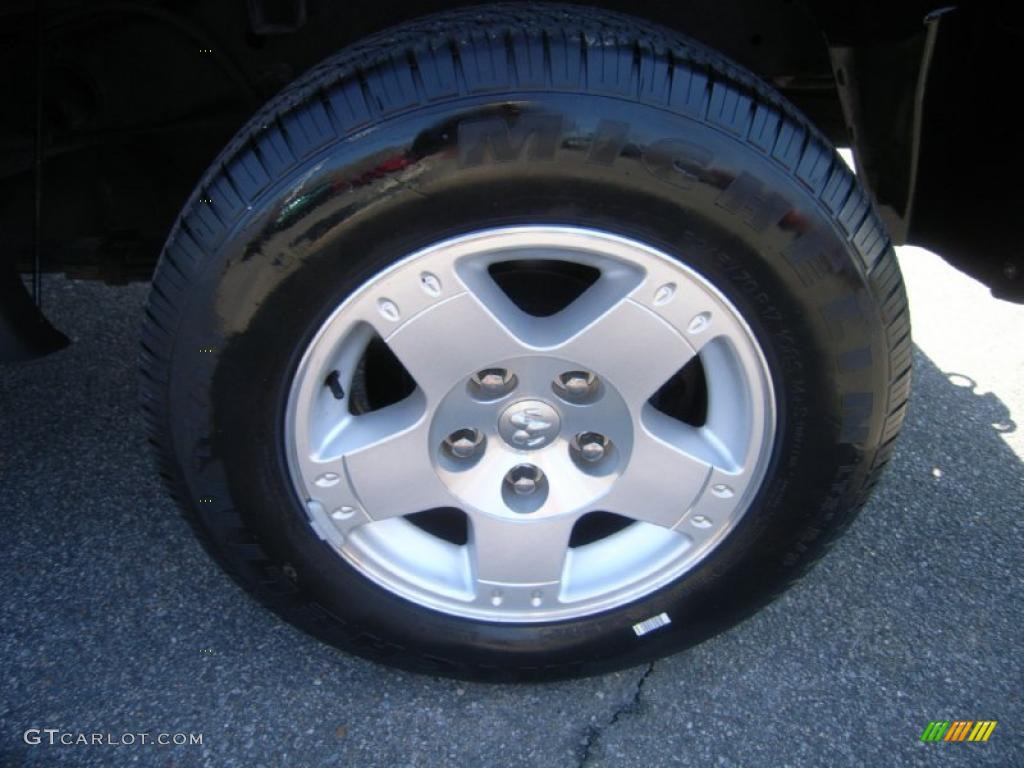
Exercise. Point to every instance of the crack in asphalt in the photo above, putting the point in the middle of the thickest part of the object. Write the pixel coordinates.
(629, 707)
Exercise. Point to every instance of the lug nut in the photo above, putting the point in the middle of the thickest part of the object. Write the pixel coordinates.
(492, 383)
(524, 485)
(576, 385)
(524, 478)
(593, 453)
(591, 446)
(463, 443)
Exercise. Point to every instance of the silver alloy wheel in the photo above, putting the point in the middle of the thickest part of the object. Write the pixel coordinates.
(528, 423)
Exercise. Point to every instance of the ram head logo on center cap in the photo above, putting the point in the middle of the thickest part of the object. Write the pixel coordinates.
(531, 427)
(529, 424)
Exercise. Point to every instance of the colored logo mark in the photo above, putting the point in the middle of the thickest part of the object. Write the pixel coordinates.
(958, 730)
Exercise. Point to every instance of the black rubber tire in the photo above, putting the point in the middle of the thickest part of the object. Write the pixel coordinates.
(520, 114)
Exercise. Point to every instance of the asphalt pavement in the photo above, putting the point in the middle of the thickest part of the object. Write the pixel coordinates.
(114, 621)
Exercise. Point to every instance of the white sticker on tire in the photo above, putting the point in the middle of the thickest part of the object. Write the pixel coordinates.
(651, 624)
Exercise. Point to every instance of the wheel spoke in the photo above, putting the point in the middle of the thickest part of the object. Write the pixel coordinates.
(696, 313)
(520, 552)
(450, 341)
(630, 346)
(667, 471)
(386, 457)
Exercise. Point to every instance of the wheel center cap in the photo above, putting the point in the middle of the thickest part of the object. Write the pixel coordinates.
(529, 424)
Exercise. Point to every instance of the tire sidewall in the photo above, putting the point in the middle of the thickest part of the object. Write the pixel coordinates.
(268, 287)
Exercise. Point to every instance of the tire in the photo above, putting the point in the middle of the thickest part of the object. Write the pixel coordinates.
(554, 121)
